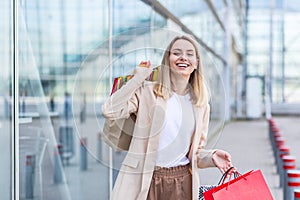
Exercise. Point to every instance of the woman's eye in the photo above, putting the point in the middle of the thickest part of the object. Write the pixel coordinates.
(176, 53)
(190, 54)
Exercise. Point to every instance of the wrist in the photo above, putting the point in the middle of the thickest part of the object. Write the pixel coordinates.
(213, 157)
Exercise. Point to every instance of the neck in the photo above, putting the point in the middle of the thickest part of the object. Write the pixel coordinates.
(179, 84)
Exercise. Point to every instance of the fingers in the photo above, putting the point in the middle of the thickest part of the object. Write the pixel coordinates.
(225, 169)
(227, 156)
(226, 165)
(222, 160)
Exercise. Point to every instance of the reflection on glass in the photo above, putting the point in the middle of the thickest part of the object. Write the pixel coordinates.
(5, 100)
(55, 39)
(65, 74)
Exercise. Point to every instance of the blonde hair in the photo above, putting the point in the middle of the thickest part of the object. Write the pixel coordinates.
(198, 87)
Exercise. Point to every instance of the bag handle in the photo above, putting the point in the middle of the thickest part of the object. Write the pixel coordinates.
(225, 175)
(236, 174)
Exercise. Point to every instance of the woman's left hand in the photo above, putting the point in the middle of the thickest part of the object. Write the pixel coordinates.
(222, 160)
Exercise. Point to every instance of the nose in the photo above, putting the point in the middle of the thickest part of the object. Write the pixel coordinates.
(183, 57)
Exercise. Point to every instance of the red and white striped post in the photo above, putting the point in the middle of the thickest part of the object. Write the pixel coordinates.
(274, 139)
(288, 163)
(271, 124)
(279, 141)
(280, 149)
(272, 128)
(297, 194)
(293, 182)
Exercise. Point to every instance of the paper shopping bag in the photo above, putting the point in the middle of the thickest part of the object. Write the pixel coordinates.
(249, 186)
(122, 80)
(204, 188)
(208, 195)
(118, 133)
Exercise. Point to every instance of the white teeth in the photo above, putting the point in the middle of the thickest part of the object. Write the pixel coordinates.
(182, 65)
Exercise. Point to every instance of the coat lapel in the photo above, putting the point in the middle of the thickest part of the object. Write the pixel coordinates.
(158, 117)
(193, 150)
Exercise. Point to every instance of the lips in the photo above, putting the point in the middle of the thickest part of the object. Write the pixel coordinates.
(183, 65)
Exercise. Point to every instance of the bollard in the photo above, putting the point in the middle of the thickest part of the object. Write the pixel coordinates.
(99, 146)
(271, 121)
(57, 174)
(274, 128)
(297, 194)
(83, 154)
(293, 182)
(274, 138)
(29, 179)
(288, 163)
(281, 151)
(278, 134)
(271, 124)
(279, 141)
(66, 138)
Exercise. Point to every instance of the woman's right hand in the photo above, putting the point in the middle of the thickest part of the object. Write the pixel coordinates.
(146, 64)
(144, 69)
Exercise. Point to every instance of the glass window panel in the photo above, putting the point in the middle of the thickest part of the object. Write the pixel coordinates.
(292, 90)
(292, 5)
(259, 4)
(61, 59)
(180, 8)
(6, 99)
(220, 8)
(130, 15)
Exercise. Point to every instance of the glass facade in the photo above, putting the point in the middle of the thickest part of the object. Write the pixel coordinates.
(6, 100)
(67, 53)
(60, 57)
(272, 43)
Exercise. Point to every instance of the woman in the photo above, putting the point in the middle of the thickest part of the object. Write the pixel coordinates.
(172, 117)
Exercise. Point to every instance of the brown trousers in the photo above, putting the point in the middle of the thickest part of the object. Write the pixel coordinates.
(173, 183)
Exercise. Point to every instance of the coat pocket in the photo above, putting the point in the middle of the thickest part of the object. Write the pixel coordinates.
(131, 162)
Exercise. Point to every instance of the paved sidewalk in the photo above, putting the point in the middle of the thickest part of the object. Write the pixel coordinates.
(250, 148)
(247, 141)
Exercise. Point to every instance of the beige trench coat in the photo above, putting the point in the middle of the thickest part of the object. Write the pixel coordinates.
(134, 179)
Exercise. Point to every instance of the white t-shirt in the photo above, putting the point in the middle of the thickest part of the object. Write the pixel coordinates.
(175, 138)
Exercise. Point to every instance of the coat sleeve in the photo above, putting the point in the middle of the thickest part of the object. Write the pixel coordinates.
(125, 100)
(204, 156)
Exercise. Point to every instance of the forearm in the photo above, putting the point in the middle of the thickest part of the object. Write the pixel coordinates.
(205, 158)
(125, 101)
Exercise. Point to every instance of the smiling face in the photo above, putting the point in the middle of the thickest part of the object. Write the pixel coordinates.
(183, 59)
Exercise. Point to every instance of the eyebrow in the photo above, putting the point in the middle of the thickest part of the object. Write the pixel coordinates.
(181, 50)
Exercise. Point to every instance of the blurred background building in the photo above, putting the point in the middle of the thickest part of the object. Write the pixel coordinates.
(58, 60)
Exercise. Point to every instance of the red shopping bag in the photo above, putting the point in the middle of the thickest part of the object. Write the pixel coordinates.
(249, 186)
